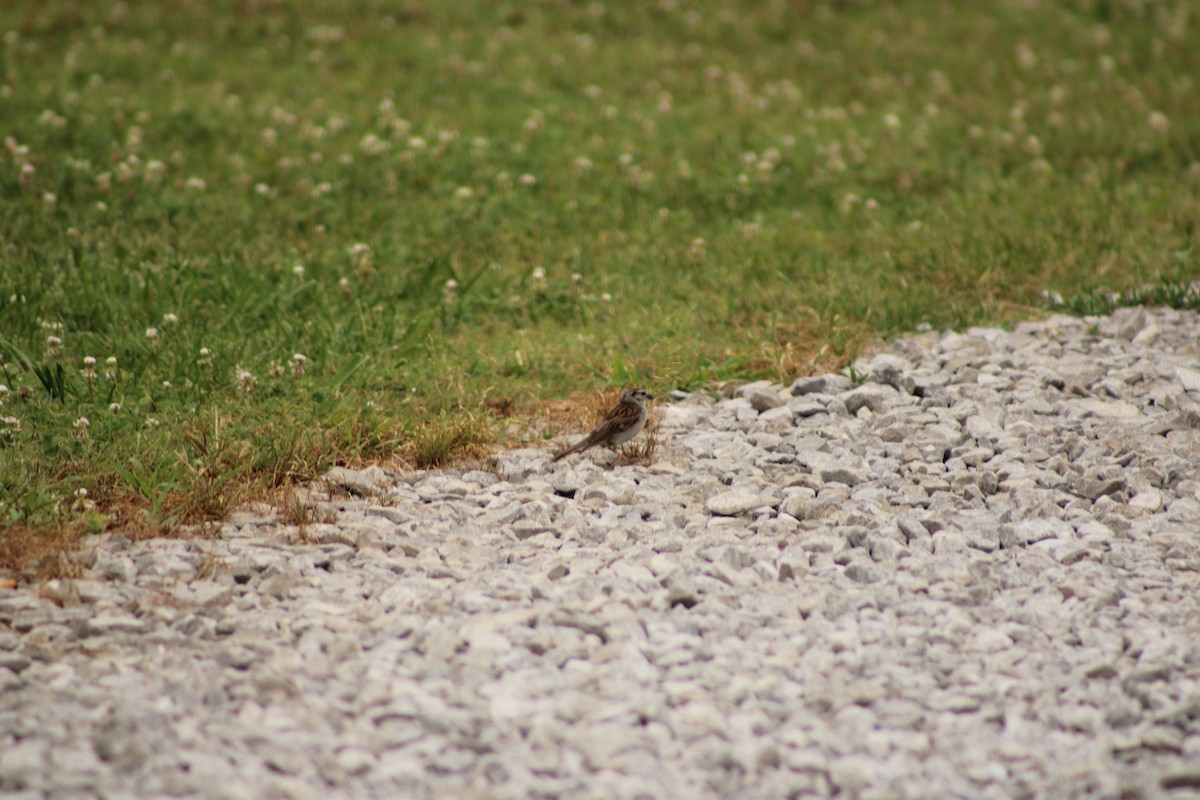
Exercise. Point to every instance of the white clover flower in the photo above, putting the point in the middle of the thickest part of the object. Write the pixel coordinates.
(170, 319)
(528, 180)
(245, 379)
(195, 184)
(463, 192)
(1158, 122)
(12, 426)
(372, 145)
(154, 171)
(1026, 58)
(82, 422)
(114, 407)
(49, 198)
(151, 333)
(50, 119)
(298, 271)
(583, 164)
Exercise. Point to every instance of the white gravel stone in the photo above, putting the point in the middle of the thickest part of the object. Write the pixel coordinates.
(730, 504)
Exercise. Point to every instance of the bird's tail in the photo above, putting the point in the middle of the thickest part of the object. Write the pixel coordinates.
(578, 447)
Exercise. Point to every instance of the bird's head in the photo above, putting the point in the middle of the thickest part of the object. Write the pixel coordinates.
(639, 396)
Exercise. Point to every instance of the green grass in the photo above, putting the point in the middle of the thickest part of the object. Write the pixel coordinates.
(496, 206)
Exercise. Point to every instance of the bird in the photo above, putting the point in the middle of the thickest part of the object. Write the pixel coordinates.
(622, 423)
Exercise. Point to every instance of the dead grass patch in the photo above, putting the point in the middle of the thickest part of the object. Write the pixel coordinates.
(40, 553)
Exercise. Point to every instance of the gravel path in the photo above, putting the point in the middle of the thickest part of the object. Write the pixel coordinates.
(976, 575)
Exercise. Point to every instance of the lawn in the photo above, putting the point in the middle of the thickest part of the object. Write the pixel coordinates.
(243, 241)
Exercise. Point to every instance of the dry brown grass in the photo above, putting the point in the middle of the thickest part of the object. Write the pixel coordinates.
(804, 348)
(37, 554)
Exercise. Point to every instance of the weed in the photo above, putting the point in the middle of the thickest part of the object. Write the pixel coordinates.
(1095, 303)
(644, 448)
(445, 438)
(856, 378)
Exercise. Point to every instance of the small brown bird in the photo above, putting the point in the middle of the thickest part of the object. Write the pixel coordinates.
(622, 423)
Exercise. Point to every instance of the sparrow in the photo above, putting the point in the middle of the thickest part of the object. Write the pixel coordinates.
(622, 423)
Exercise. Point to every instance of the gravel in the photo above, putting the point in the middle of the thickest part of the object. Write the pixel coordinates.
(973, 575)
